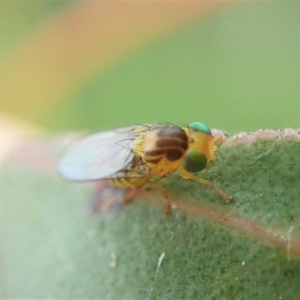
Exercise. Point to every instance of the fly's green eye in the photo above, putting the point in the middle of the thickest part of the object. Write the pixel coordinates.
(194, 161)
(198, 126)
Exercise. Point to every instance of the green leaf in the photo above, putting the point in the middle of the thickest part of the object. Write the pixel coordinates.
(52, 245)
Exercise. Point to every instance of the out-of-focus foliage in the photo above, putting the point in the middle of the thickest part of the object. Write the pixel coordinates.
(236, 70)
(234, 67)
(19, 19)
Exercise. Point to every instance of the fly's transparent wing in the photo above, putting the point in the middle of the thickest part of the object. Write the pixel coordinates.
(98, 156)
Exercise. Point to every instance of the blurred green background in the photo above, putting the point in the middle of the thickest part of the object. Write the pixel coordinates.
(100, 65)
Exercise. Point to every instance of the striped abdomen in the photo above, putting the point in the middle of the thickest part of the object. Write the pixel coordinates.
(129, 182)
(163, 147)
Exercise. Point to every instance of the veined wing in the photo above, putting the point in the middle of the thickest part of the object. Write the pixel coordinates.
(98, 156)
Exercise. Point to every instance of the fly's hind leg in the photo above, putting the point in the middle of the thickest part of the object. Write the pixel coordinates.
(132, 192)
(131, 185)
(130, 195)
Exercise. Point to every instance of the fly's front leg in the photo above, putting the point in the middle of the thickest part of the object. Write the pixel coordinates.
(218, 138)
(186, 175)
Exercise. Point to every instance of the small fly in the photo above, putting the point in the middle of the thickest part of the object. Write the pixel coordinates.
(130, 157)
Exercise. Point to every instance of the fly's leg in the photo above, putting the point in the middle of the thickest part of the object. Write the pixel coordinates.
(133, 186)
(225, 196)
(187, 175)
(166, 201)
(108, 198)
(167, 205)
(150, 186)
(132, 192)
(219, 138)
(129, 196)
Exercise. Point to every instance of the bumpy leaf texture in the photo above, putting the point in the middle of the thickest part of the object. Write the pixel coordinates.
(53, 244)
